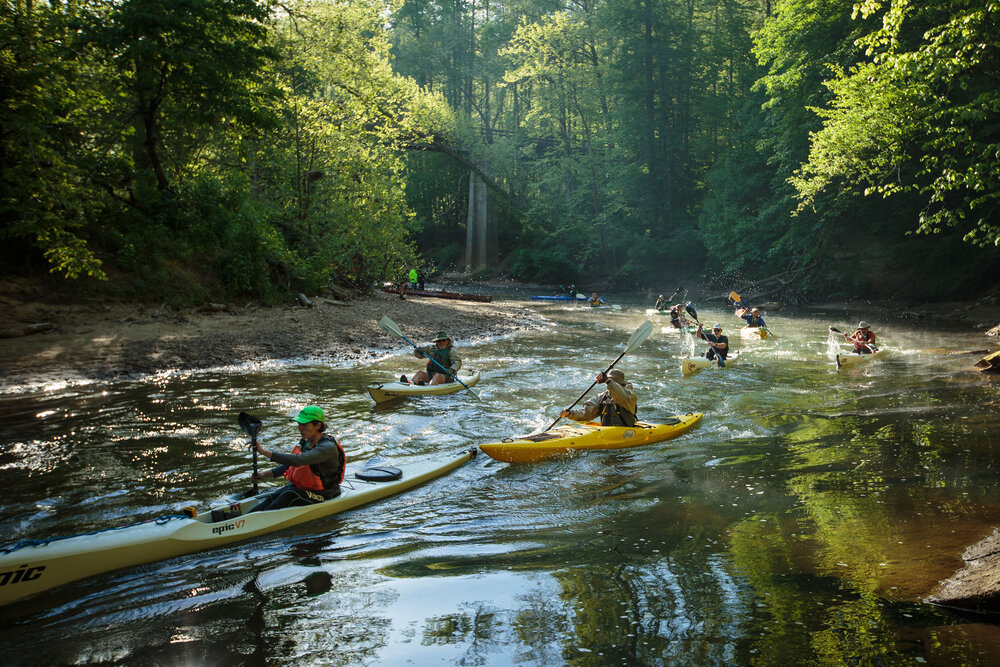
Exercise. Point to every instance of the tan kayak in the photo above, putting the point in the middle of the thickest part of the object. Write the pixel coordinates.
(34, 566)
(852, 359)
(691, 365)
(387, 391)
(756, 333)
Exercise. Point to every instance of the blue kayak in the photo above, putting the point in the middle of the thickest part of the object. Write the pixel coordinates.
(560, 297)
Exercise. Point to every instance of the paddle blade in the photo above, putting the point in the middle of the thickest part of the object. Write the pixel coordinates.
(389, 326)
(641, 334)
(250, 425)
(836, 330)
(691, 311)
(735, 297)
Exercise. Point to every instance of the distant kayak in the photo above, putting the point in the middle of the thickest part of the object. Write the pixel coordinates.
(441, 294)
(758, 333)
(34, 566)
(586, 436)
(689, 329)
(852, 359)
(692, 365)
(657, 311)
(387, 391)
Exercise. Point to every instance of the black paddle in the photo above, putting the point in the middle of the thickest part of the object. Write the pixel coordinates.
(391, 327)
(641, 334)
(694, 315)
(251, 426)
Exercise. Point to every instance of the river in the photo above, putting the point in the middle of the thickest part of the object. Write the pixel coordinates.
(800, 522)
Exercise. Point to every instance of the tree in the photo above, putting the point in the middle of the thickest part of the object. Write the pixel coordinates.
(921, 115)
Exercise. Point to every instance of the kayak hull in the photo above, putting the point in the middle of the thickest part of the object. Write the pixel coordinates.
(388, 391)
(691, 329)
(37, 567)
(851, 359)
(692, 365)
(755, 333)
(585, 436)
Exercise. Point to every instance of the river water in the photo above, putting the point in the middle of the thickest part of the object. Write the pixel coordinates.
(802, 521)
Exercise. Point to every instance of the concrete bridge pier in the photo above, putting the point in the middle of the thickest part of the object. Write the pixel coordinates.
(481, 236)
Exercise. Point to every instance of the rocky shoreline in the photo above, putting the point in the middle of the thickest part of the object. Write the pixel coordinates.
(95, 342)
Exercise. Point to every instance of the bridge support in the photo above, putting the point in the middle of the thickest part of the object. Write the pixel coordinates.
(481, 236)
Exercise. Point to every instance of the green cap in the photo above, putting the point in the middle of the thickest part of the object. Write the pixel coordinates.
(442, 336)
(310, 413)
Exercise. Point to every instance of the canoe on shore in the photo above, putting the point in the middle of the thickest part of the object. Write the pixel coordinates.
(439, 294)
(33, 566)
(586, 436)
(387, 391)
(558, 297)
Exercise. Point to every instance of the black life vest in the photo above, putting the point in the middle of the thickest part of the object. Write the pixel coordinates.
(613, 414)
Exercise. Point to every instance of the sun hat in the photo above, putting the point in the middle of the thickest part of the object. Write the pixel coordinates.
(441, 335)
(310, 413)
(863, 325)
(616, 375)
(716, 326)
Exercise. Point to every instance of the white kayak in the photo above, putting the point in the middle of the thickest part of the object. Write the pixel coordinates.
(34, 566)
(851, 359)
(690, 365)
(387, 391)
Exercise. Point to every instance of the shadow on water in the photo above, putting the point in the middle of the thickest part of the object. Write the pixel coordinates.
(804, 518)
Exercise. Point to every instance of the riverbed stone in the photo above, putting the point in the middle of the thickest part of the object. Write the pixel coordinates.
(976, 586)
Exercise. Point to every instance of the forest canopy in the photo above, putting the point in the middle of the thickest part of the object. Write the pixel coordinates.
(252, 147)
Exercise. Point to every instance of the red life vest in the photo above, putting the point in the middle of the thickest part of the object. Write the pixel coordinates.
(861, 341)
(306, 477)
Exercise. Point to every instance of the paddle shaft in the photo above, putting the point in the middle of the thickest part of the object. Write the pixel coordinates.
(592, 384)
(415, 347)
(253, 445)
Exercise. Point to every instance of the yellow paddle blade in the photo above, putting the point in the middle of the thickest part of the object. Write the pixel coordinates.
(734, 296)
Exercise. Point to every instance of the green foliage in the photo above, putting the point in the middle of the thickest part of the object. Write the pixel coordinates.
(543, 263)
(923, 115)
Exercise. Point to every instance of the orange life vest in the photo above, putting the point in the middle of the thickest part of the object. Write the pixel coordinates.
(307, 477)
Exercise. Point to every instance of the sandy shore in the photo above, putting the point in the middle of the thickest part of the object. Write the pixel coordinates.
(100, 341)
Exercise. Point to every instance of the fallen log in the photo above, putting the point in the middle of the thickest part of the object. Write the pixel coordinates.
(26, 330)
(990, 363)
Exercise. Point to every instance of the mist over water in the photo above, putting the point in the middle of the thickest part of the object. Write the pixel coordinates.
(802, 520)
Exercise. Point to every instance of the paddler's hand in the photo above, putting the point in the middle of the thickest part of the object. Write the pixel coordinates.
(601, 378)
(262, 451)
(564, 414)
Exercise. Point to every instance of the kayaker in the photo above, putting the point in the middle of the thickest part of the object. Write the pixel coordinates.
(677, 319)
(572, 292)
(863, 339)
(753, 318)
(616, 406)
(661, 304)
(595, 300)
(717, 343)
(414, 279)
(314, 469)
(443, 353)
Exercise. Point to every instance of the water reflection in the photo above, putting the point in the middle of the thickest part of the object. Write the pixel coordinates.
(803, 518)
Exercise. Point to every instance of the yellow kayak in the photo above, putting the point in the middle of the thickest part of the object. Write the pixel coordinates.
(756, 333)
(852, 359)
(585, 436)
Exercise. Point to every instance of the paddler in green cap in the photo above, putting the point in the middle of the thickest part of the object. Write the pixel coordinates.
(444, 356)
(314, 469)
(616, 406)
